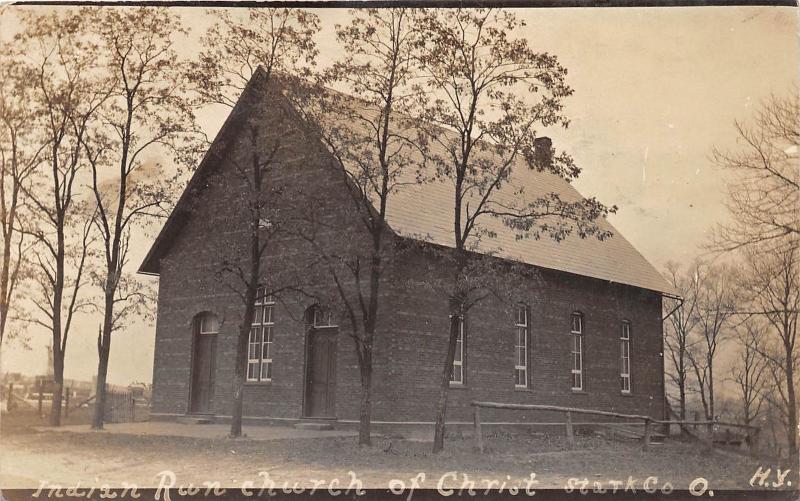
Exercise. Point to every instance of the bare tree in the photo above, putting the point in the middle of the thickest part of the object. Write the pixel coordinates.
(772, 426)
(376, 147)
(264, 212)
(278, 39)
(764, 193)
(764, 201)
(776, 411)
(146, 113)
(21, 153)
(772, 282)
(484, 117)
(681, 324)
(749, 371)
(280, 42)
(715, 307)
(61, 69)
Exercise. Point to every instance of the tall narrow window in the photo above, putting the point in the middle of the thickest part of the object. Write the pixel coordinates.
(259, 349)
(521, 347)
(577, 351)
(625, 357)
(457, 376)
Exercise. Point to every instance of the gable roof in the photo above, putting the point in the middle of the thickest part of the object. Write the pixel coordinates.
(416, 211)
(150, 264)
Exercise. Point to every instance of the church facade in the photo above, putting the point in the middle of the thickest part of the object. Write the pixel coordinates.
(586, 333)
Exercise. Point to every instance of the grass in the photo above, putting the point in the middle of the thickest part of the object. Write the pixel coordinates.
(114, 457)
(24, 421)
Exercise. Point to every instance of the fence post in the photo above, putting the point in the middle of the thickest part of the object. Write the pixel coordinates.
(646, 435)
(133, 410)
(478, 432)
(10, 397)
(66, 403)
(110, 406)
(570, 432)
(39, 387)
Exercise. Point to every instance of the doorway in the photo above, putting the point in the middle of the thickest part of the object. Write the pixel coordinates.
(205, 345)
(321, 377)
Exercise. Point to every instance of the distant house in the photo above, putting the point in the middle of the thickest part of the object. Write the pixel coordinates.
(588, 333)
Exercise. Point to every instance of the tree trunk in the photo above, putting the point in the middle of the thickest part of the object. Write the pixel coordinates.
(3, 317)
(239, 374)
(441, 405)
(791, 397)
(682, 390)
(682, 411)
(250, 294)
(701, 384)
(103, 352)
(58, 390)
(365, 348)
(365, 413)
(682, 386)
(100, 394)
(748, 438)
(55, 412)
(704, 401)
(4, 281)
(711, 389)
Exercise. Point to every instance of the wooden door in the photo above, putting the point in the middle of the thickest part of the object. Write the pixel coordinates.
(321, 379)
(203, 373)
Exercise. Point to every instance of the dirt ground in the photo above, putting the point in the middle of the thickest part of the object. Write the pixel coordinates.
(28, 457)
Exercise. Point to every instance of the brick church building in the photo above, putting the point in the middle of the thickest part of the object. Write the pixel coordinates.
(588, 333)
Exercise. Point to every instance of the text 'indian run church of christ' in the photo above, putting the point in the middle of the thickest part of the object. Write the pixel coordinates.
(587, 333)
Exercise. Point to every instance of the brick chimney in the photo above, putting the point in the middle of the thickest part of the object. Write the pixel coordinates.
(542, 152)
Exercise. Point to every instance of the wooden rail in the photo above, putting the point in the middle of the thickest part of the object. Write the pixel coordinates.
(647, 420)
(719, 423)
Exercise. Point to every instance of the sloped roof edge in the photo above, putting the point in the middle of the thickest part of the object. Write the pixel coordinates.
(150, 264)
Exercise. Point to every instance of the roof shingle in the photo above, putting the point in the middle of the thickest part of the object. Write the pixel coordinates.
(424, 211)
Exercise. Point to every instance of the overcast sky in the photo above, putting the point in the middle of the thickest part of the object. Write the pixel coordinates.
(655, 90)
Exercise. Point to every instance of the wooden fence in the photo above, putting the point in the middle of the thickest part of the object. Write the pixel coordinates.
(120, 407)
(647, 421)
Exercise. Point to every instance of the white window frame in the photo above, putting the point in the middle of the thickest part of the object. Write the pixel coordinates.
(625, 357)
(260, 342)
(211, 329)
(521, 333)
(457, 374)
(576, 332)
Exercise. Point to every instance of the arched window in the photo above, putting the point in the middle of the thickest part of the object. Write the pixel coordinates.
(320, 317)
(259, 348)
(625, 357)
(576, 332)
(207, 323)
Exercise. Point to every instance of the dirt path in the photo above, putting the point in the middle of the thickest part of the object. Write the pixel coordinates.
(115, 459)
